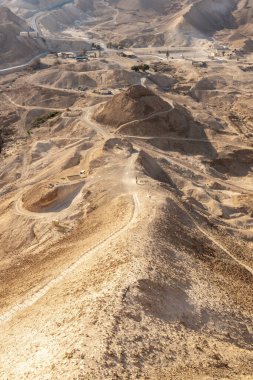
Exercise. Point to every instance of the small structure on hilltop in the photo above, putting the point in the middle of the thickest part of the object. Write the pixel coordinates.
(127, 54)
(24, 34)
(66, 55)
(31, 34)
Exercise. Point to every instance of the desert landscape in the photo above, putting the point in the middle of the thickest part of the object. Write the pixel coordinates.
(126, 190)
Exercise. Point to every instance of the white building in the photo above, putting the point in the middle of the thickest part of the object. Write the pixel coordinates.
(24, 34)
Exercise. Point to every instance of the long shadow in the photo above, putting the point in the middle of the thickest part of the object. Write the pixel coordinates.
(181, 125)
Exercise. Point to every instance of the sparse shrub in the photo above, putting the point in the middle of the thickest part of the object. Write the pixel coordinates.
(29, 132)
(42, 119)
(135, 68)
(144, 67)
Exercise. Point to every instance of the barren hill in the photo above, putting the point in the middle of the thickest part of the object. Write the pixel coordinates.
(185, 23)
(27, 7)
(205, 18)
(188, 23)
(147, 114)
(86, 76)
(135, 103)
(241, 33)
(148, 6)
(16, 49)
(208, 17)
(8, 17)
(200, 20)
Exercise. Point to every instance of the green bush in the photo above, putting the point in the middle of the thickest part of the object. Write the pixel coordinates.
(42, 119)
(135, 68)
(144, 67)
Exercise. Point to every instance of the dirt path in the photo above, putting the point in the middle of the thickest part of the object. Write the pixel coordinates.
(129, 180)
(223, 142)
(144, 119)
(24, 65)
(93, 124)
(32, 107)
(68, 90)
(114, 18)
(107, 135)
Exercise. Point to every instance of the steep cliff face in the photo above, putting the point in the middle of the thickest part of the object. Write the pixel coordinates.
(210, 16)
(228, 20)
(243, 31)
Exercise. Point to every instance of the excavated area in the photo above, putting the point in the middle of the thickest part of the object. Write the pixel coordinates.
(50, 198)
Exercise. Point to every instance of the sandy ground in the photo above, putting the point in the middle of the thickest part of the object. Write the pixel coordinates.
(126, 245)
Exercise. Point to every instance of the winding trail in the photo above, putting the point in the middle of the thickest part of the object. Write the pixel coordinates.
(38, 14)
(32, 107)
(129, 180)
(113, 19)
(151, 116)
(130, 183)
(102, 131)
(208, 141)
(203, 231)
(86, 117)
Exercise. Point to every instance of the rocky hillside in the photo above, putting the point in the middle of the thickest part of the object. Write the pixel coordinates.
(135, 103)
(14, 48)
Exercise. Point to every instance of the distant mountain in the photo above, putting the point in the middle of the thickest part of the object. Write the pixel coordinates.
(229, 19)
(158, 23)
(186, 22)
(26, 8)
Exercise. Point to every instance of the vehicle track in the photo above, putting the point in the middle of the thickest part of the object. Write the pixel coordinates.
(24, 65)
(144, 119)
(33, 107)
(93, 124)
(223, 142)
